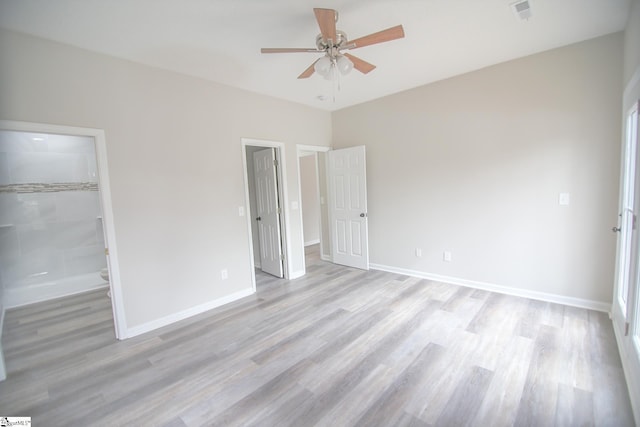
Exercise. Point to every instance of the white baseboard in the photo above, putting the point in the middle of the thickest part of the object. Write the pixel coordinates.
(190, 312)
(312, 242)
(541, 296)
(325, 257)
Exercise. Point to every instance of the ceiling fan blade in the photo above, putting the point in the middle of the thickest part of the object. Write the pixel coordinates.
(389, 34)
(327, 22)
(363, 66)
(287, 50)
(309, 71)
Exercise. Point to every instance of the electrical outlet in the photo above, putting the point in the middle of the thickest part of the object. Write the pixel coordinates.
(418, 252)
(224, 274)
(446, 256)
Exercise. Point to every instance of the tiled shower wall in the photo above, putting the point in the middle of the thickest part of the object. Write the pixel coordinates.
(50, 217)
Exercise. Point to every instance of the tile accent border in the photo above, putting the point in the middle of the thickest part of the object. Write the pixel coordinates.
(55, 187)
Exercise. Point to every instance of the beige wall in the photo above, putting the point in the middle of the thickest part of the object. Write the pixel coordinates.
(474, 165)
(325, 238)
(175, 163)
(632, 42)
(310, 199)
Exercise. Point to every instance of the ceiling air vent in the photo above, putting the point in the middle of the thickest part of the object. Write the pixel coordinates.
(522, 9)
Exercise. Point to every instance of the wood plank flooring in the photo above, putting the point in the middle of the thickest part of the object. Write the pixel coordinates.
(338, 347)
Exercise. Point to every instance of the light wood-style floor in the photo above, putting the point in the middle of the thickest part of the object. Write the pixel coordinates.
(338, 347)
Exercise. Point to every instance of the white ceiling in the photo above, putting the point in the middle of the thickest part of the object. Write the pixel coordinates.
(220, 40)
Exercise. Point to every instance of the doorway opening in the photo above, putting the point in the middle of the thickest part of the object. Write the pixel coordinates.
(63, 215)
(51, 219)
(266, 201)
(310, 199)
(312, 183)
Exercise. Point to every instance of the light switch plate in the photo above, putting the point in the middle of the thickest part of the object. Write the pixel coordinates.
(294, 205)
(564, 199)
(241, 210)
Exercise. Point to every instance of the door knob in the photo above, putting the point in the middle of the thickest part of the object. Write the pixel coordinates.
(259, 218)
(362, 215)
(616, 229)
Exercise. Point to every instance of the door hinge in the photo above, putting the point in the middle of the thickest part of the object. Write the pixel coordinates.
(275, 162)
(626, 329)
(279, 211)
(281, 257)
(106, 251)
(633, 224)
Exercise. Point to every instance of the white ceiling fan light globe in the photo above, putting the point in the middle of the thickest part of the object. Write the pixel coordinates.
(323, 66)
(344, 65)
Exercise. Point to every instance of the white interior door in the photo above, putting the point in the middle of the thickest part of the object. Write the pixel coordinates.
(626, 304)
(348, 207)
(268, 208)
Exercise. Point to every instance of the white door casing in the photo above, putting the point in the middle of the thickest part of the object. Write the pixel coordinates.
(629, 210)
(348, 207)
(268, 208)
(626, 301)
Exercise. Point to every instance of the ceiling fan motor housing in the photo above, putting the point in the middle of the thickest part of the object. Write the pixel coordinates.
(325, 45)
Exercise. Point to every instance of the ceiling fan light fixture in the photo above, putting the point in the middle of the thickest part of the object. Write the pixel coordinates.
(323, 66)
(344, 65)
(331, 42)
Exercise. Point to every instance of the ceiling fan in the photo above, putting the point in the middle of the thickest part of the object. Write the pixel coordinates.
(333, 42)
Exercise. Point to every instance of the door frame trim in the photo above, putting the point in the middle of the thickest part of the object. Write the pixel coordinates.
(631, 368)
(98, 135)
(625, 237)
(283, 193)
